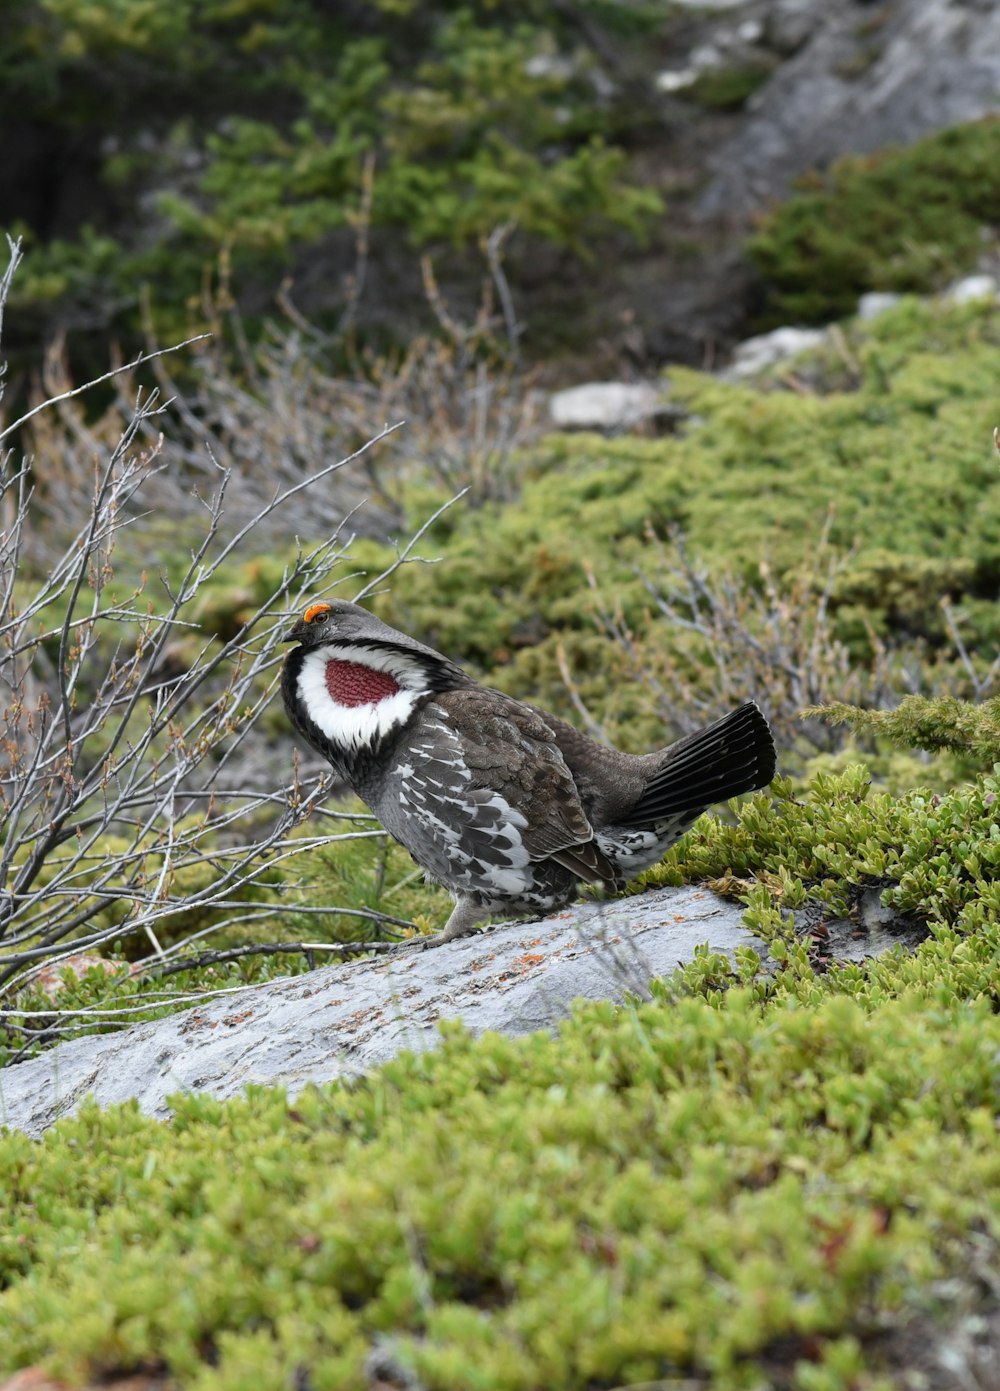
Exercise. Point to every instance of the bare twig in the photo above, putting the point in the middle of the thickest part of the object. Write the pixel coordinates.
(307, 949)
(717, 640)
(137, 796)
(96, 381)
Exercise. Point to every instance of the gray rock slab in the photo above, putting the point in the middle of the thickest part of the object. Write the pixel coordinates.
(856, 86)
(342, 1020)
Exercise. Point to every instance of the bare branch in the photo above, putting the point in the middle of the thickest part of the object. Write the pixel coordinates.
(96, 381)
(307, 949)
(139, 800)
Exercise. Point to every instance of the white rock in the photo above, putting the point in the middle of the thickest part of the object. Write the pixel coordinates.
(604, 405)
(550, 65)
(757, 354)
(705, 57)
(675, 79)
(876, 302)
(970, 288)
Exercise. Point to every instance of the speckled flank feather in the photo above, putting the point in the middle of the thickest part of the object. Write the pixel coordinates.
(503, 804)
(481, 797)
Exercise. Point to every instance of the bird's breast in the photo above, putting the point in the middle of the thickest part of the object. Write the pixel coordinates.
(354, 705)
(352, 683)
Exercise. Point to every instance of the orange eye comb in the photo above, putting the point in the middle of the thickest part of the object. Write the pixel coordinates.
(314, 610)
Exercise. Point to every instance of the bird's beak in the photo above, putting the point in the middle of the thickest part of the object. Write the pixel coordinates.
(295, 634)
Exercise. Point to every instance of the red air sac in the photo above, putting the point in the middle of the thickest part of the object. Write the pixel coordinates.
(352, 683)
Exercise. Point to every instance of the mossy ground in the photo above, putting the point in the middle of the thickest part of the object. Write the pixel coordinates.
(722, 1183)
(746, 1177)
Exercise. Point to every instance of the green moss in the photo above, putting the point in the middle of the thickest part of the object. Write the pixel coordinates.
(934, 856)
(748, 1176)
(658, 1192)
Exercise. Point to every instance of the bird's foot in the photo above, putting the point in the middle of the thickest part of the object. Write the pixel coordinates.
(424, 942)
(465, 917)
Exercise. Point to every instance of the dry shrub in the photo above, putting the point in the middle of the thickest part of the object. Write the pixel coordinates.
(273, 411)
(711, 641)
(136, 785)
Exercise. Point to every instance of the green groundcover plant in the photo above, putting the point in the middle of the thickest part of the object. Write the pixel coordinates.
(748, 1177)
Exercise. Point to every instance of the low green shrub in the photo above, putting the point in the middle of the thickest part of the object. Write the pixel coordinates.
(888, 462)
(716, 1189)
(958, 726)
(904, 219)
(933, 856)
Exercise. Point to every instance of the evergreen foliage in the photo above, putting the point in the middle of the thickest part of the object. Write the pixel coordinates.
(887, 462)
(904, 219)
(933, 855)
(244, 132)
(919, 722)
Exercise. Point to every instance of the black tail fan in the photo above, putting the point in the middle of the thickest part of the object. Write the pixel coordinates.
(735, 754)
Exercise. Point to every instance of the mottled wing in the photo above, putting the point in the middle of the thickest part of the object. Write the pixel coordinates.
(483, 773)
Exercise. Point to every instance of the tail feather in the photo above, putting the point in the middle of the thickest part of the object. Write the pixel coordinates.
(735, 754)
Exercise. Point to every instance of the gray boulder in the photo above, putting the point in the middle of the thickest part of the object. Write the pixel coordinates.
(861, 77)
(342, 1020)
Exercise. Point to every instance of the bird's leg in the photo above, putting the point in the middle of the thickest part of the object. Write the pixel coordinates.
(465, 917)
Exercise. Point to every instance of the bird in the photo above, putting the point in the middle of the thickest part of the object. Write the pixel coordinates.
(507, 806)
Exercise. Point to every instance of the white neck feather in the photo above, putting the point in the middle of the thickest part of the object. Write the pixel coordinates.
(354, 727)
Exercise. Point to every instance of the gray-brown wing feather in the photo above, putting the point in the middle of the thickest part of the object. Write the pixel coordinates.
(510, 752)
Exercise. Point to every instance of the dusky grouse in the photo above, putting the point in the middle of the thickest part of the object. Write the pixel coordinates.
(505, 805)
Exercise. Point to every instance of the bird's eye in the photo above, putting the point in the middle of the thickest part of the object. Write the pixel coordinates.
(317, 613)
